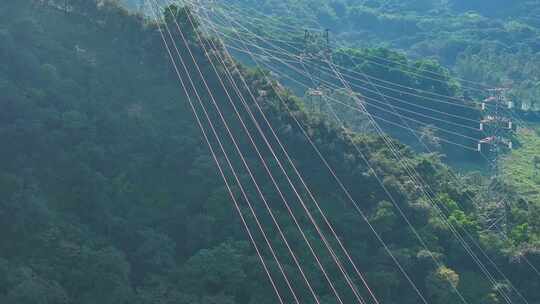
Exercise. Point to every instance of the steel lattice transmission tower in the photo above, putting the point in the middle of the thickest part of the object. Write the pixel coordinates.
(499, 127)
(316, 51)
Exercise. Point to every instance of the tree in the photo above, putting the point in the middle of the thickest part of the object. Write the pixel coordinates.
(215, 271)
(384, 217)
(24, 212)
(428, 135)
(183, 16)
(104, 277)
(156, 252)
(31, 289)
(441, 285)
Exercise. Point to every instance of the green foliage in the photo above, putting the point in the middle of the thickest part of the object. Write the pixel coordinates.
(183, 16)
(441, 285)
(108, 194)
(523, 176)
(384, 216)
(217, 271)
(392, 66)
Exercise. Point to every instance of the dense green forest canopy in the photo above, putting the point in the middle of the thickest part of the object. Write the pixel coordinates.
(108, 193)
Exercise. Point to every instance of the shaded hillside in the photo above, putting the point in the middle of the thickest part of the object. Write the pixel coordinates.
(109, 195)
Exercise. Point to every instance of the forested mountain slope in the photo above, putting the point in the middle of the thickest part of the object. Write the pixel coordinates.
(423, 68)
(403, 94)
(108, 194)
